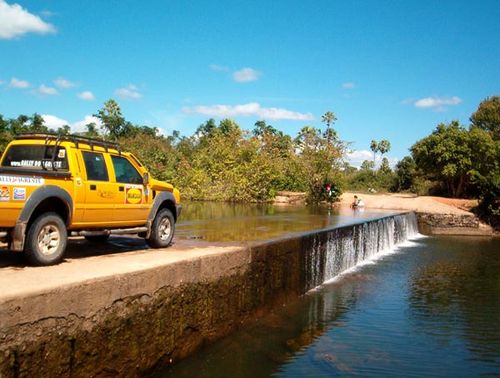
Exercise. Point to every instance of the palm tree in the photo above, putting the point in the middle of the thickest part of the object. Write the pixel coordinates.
(374, 146)
(328, 118)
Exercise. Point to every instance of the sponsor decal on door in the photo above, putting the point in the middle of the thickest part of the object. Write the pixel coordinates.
(133, 195)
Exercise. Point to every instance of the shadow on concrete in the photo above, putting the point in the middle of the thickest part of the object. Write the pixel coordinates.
(79, 248)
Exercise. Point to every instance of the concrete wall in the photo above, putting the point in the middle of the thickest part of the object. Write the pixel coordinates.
(126, 325)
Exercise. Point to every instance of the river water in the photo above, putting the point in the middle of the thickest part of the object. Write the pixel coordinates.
(224, 222)
(430, 307)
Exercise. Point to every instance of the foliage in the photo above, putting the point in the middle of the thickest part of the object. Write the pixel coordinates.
(112, 119)
(320, 156)
(487, 116)
(369, 179)
(384, 146)
(405, 174)
(456, 157)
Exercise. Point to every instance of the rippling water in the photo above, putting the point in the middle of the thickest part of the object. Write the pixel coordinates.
(431, 308)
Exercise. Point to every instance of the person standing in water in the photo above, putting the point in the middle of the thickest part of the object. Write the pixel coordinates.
(358, 202)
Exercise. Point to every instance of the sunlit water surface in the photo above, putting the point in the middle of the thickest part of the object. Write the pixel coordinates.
(223, 222)
(429, 308)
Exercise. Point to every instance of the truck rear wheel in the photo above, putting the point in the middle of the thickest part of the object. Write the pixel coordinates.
(162, 230)
(46, 240)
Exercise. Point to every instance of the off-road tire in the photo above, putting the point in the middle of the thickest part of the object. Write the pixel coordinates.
(46, 240)
(162, 230)
(97, 238)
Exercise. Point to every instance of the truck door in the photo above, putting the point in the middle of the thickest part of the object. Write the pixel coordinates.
(132, 203)
(100, 194)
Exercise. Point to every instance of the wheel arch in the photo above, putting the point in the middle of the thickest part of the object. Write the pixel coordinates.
(163, 200)
(49, 198)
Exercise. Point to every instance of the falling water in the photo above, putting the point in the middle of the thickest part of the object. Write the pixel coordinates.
(339, 249)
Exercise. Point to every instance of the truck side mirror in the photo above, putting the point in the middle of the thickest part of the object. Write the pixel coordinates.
(145, 179)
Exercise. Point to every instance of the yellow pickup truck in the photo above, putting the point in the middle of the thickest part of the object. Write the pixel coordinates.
(53, 186)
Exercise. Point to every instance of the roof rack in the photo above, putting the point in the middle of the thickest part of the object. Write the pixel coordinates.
(76, 139)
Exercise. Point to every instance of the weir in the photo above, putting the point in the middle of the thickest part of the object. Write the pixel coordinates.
(340, 249)
(164, 308)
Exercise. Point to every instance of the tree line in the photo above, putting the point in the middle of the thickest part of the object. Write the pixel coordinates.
(220, 161)
(223, 162)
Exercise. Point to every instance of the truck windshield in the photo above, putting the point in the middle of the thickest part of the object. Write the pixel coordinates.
(29, 157)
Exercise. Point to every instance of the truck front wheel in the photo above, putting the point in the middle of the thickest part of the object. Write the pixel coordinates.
(46, 240)
(162, 230)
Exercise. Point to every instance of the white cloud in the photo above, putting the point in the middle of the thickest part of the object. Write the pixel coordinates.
(130, 92)
(79, 126)
(437, 102)
(245, 110)
(86, 95)
(218, 68)
(55, 122)
(357, 157)
(17, 83)
(63, 83)
(245, 75)
(16, 21)
(348, 85)
(45, 90)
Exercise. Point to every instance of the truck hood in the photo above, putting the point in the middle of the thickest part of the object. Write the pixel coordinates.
(160, 186)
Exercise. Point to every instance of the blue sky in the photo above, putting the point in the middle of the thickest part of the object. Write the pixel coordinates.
(387, 69)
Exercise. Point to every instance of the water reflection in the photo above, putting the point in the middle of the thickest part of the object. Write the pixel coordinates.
(256, 350)
(461, 294)
(215, 221)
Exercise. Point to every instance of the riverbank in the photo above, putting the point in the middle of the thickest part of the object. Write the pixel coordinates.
(410, 202)
(436, 215)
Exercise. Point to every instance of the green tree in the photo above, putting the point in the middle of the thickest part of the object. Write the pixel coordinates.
(487, 116)
(406, 172)
(64, 130)
(384, 166)
(262, 128)
(384, 146)
(367, 165)
(37, 124)
(91, 130)
(206, 129)
(374, 147)
(329, 119)
(112, 119)
(321, 159)
(455, 156)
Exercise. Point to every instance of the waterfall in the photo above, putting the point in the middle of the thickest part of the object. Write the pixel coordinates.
(336, 250)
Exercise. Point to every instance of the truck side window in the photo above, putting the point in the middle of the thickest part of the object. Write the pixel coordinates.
(125, 171)
(95, 166)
